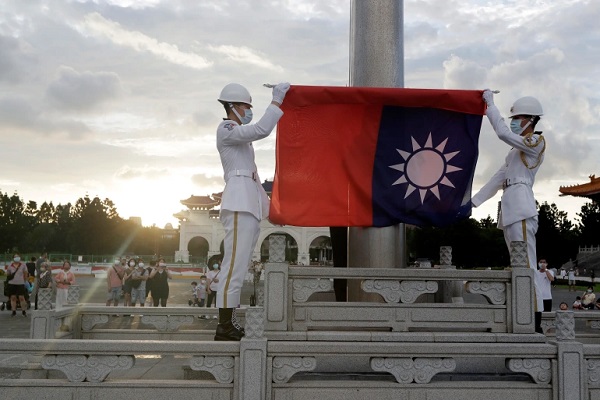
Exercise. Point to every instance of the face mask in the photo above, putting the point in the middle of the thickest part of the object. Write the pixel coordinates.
(117, 262)
(515, 126)
(589, 290)
(132, 264)
(541, 265)
(247, 115)
(203, 282)
(162, 265)
(215, 266)
(17, 259)
(141, 265)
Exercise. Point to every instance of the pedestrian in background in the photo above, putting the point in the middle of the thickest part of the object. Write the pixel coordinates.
(16, 275)
(160, 283)
(64, 279)
(38, 264)
(572, 280)
(138, 284)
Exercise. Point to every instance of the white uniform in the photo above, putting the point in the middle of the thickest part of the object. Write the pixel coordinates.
(518, 213)
(244, 202)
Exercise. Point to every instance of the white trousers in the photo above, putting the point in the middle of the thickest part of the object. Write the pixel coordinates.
(524, 231)
(241, 234)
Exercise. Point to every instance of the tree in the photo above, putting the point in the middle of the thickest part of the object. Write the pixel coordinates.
(589, 224)
(555, 239)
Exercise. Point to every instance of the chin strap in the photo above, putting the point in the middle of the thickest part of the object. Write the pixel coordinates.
(235, 112)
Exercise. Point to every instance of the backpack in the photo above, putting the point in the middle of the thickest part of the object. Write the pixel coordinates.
(10, 276)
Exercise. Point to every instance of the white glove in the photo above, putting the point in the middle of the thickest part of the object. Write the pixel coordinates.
(488, 97)
(279, 91)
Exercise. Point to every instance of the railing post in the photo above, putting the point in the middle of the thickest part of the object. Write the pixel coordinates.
(276, 286)
(44, 298)
(252, 384)
(42, 324)
(572, 373)
(449, 291)
(522, 304)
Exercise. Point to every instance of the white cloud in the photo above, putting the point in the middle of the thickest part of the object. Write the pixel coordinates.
(245, 55)
(96, 25)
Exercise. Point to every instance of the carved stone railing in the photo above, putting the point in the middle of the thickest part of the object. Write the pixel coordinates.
(586, 324)
(87, 321)
(405, 305)
(49, 368)
(299, 347)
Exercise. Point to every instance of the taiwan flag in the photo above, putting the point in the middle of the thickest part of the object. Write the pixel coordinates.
(353, 156)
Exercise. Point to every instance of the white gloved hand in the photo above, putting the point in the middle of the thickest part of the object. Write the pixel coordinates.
(488, 97)
(279, 91)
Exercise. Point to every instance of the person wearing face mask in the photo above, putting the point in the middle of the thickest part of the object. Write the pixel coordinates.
(114, 283)
(64, 279)
(543, 279)
(588, 298)
(138, 279)
(244, 202)
(45, 276)
(518, 213)
(16, 275)
(212, 285)
(129, 267)
(160, 284)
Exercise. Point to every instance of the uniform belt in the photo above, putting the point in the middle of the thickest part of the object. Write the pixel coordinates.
(241, 172)
(515, 181)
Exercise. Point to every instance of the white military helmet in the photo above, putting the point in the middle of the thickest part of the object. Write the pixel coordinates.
(235, 93)
(526, 106)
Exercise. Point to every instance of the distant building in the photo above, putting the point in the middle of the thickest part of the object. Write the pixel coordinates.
(136, 220)
(201, 234)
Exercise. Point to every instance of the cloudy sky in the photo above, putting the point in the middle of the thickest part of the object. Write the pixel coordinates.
(116, 98)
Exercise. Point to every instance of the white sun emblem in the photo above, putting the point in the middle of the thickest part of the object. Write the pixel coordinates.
(425, 168)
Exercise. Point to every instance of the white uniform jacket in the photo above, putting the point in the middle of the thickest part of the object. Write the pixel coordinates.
(243, 188)
(515, 176)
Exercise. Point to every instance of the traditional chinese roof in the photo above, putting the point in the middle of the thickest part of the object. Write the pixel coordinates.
(590, 189)
(201, 202)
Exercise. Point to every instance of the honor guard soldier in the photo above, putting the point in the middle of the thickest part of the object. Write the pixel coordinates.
(244, 202)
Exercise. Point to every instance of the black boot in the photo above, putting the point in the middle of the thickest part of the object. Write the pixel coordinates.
(235, 323)
(226, 330)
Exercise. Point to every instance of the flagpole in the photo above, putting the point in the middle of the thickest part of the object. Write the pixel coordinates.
(376, 60)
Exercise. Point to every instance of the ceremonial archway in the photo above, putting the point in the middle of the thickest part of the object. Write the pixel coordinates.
(198, 249)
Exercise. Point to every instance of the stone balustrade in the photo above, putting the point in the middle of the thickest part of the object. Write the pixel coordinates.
(408, 301)
(419, 341)
(87, 321)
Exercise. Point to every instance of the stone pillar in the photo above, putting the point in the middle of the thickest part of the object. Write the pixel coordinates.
(276, 285)
(572, 372)
(376, 60)
(522, 301)
(449, 291)
(44, 298)
(253, 358)
(73, 295)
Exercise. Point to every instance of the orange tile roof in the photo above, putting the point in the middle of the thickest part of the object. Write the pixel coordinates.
(589, 189)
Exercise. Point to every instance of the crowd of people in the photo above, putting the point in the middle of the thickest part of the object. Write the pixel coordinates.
(128, 279)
